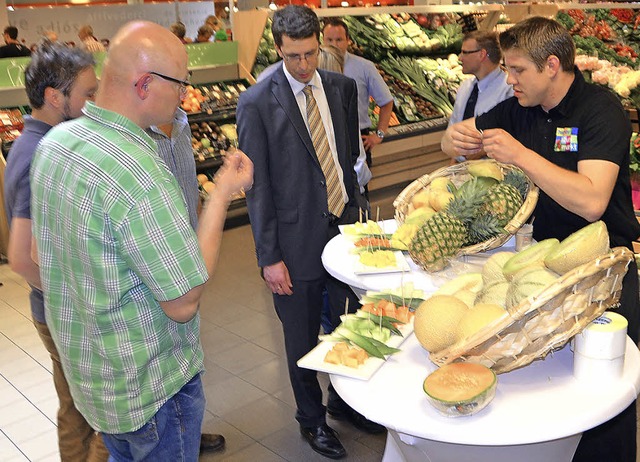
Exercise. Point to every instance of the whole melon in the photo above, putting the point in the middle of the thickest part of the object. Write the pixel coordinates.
(492, 269)
(435, 321)
(467, 296)
(495, 293)
(528, 282)
(579, 248)
(478, 317)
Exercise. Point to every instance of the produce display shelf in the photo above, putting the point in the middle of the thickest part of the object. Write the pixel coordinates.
(223, 115)
(210, 163)
(416, 128)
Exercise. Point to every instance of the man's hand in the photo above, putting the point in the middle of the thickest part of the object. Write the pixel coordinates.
(501, 146)
(277, 278)
(462, 139)
(371, 140)
(235, 174)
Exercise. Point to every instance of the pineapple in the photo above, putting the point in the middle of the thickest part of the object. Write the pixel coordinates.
(437, 241)
(443, 235)
(503, 202)
(483, 228)
(468, 199)
(517, 179)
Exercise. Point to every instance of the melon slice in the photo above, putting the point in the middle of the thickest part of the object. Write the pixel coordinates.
(460, 389)
(579, 248)
(468, 281)
(532, 255)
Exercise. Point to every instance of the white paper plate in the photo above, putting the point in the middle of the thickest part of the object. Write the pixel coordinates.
(315, 358)
(400, 266)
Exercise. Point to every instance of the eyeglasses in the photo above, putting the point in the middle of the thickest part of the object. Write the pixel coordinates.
(468, 52)
(183, 83)
(297, 59)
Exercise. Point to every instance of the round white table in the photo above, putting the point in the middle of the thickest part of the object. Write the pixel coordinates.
(538, 414)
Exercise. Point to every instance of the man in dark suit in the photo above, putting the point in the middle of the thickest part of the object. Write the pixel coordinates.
(296, 204)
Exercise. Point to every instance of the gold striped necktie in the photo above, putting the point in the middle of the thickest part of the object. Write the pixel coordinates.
(321, 145)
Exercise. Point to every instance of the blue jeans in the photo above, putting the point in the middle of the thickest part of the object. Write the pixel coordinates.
(172, 435)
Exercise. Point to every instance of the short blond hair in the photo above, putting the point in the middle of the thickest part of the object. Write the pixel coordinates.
(331, 59)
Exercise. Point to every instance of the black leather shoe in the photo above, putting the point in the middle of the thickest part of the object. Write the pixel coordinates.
(324, 440)
(357, 420)
(211, 442)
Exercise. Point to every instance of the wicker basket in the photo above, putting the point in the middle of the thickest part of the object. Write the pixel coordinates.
(545, 323)
(458, 174)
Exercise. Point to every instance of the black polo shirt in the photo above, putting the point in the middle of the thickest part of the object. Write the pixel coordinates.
(14, 50)
(589, 123)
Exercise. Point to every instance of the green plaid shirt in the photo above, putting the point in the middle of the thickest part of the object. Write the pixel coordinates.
(114, 239)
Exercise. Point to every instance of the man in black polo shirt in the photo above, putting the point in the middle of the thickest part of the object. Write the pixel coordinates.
(13, 48)
(572, 139)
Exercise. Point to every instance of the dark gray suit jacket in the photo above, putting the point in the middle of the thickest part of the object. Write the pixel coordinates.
(288, 201)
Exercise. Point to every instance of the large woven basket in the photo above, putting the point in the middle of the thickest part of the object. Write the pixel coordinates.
(458, 174)
(546, 322)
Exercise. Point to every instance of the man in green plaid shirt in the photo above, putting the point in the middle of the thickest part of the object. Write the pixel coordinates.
(122, 269)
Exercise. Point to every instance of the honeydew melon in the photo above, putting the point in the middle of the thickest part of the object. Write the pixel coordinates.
(533, 255)
(579, 248)
(528, 282)
(435, 321)
(495, 293)
(468, 281)
(467, 296)
(460, 389)
(477, 318)
(492, 269)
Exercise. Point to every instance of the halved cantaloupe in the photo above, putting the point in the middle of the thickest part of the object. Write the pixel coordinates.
(460, 389)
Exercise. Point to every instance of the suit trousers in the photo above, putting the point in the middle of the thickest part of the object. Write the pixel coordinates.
(300, 316)
(77, 441)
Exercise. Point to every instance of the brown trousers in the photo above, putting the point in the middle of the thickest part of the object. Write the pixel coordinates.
(78, 442)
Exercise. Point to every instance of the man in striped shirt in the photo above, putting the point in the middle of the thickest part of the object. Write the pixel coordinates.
(175, 150)
(121, 267)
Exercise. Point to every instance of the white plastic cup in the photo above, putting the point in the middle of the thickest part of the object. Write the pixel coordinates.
(524, 237)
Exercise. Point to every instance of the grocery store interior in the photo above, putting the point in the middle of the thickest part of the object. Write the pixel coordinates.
(249, 397)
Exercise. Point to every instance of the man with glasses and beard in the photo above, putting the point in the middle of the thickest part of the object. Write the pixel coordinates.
(58, 81)
(299, 126)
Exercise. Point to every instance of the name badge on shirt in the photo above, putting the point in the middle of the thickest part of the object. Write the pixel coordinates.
(566, 139)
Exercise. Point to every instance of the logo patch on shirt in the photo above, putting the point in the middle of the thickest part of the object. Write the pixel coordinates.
(566, 139)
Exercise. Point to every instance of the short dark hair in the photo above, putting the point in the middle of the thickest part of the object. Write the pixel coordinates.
(206, 29)
(540, 38)
(296, 22)
(335, 22)
(54, 65)
(486, 41)
(12, 32)
(178, 29)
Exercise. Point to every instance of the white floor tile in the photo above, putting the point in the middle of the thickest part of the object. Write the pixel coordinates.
(42, 447)
(9, 451)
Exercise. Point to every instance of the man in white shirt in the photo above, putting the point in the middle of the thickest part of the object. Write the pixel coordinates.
(480, 57)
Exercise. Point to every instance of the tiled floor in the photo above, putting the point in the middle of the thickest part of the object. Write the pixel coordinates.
(249, 398)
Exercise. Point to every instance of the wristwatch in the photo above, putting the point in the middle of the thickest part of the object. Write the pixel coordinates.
(380, 134)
